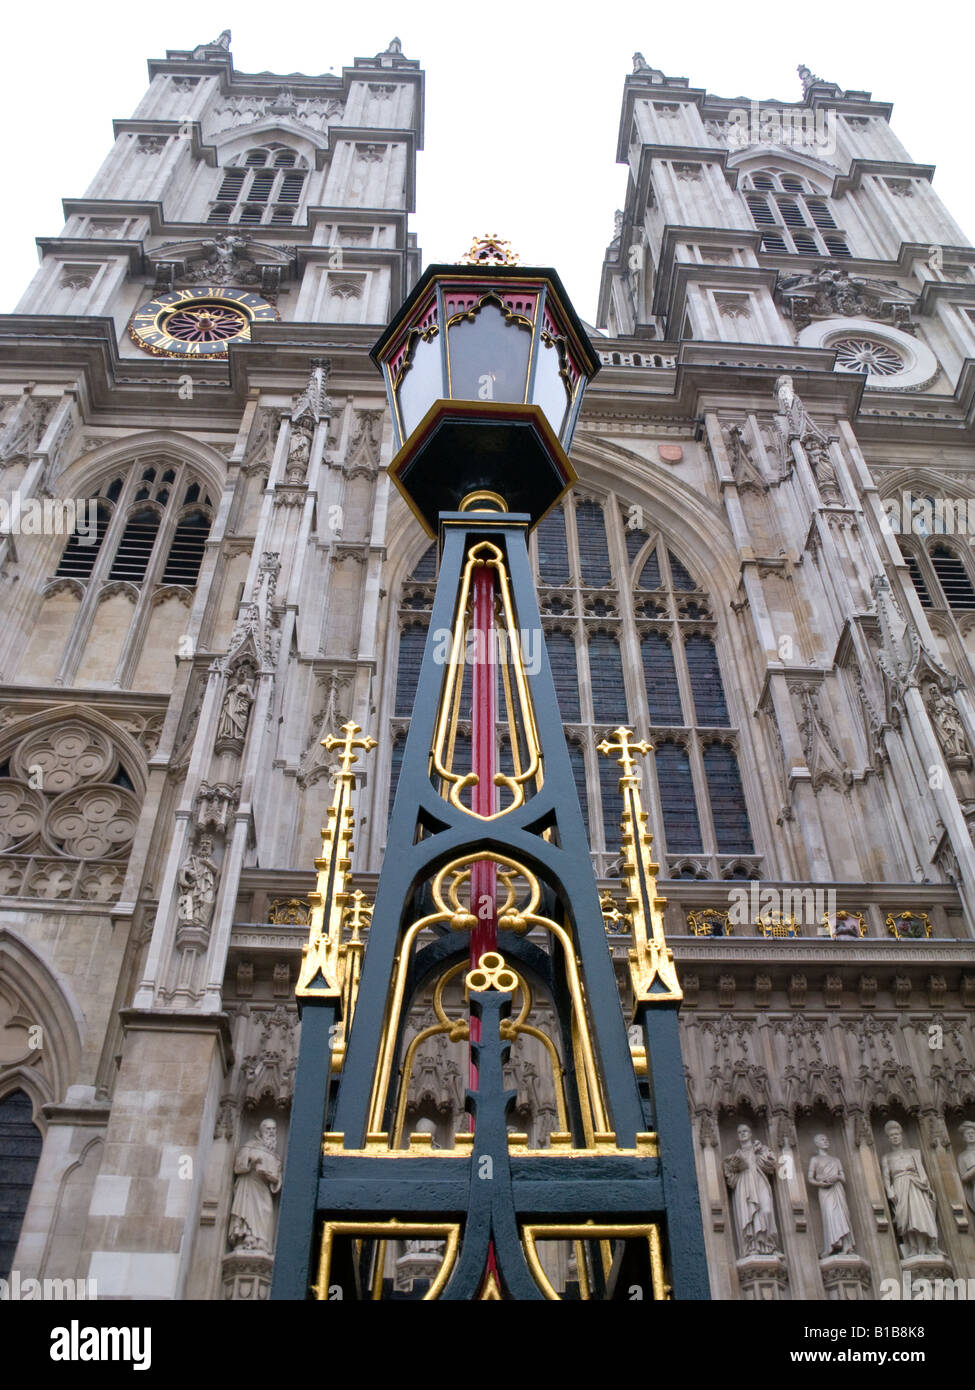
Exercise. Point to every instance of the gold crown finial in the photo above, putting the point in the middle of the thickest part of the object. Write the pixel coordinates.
(490, 250)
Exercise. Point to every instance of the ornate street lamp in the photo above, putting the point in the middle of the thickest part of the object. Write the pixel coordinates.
(485, 367)
(487, 880)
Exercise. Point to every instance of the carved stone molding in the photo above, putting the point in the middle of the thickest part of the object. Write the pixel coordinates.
(762, 1278)
(247, 1276)
(845, 1277)
(828, 293)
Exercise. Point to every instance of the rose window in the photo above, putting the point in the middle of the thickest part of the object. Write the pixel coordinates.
(866, 354)
(206, 323)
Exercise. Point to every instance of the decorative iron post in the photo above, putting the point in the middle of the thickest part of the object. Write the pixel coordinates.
(487, 904)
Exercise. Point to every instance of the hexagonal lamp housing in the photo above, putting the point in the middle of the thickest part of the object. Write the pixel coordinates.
(485, 369)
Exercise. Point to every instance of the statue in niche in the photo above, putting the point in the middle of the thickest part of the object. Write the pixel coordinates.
(817, 451)
(197, 881)
(966, 1162)
(747, 1172)
(826, 1174)
(236, 708)
(910, 1195)
(453, 1088)
(947, 722)
(258, 1171)
(299, 453)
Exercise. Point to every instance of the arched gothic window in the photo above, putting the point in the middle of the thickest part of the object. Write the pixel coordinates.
(941, 574)
(263, 187)
(151, 524)
(792, 215)
(953, 576)
(20, 1152)
(416, 601)
(630, 638)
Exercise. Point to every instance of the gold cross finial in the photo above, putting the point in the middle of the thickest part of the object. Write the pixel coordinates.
(357, 914)
(626, 759)
(347, 744)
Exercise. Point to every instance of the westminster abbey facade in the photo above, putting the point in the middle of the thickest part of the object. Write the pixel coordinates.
(765, 569)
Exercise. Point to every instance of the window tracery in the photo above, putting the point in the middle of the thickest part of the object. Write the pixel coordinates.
(630, 638)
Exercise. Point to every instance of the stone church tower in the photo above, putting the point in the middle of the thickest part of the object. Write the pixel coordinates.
(765, 570)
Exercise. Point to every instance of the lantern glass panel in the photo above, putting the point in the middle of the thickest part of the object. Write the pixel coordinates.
(421, 383)
(488, 356)
(551, 391)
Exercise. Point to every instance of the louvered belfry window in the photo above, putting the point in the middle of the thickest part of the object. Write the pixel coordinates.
(266, 187)
(953, 577)
(151, 527)
(186, 552)
(941, 572)
(136, 546)
(792, 215)
(82, 549)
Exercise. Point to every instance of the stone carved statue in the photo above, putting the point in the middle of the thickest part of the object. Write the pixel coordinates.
(746, 1173)
(826, 1174)
(791, 406)
(226, 253)
(966, 1162)
(258, 1171)
(817, 451)
(299, 453)
(236, 708)
(830, 293)
(947, 722)
(910, 1195)
(197, 880)
(810, 80)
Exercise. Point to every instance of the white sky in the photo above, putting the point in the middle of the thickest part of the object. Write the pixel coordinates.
(522, 100)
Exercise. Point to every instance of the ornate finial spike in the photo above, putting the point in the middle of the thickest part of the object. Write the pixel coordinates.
(347, 744)
(490, 250)
(625, 748)
(357, 915)
(652, 971)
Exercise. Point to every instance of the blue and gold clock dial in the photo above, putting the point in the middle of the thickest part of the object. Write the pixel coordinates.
(198, 322)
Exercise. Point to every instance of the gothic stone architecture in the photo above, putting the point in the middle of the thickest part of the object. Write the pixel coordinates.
(765, 570)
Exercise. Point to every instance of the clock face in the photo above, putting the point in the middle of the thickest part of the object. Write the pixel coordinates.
(198, 322)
